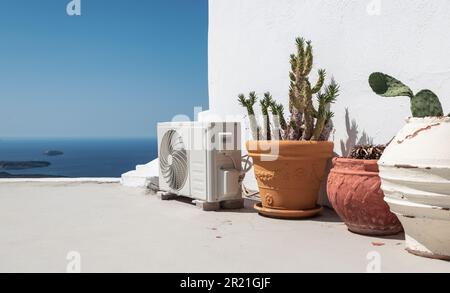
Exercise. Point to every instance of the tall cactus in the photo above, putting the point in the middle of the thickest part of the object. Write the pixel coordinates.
(424, 104)
(301, 92)
(305, 123)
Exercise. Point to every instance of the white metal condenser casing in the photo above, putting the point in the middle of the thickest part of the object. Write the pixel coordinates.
(200, 160)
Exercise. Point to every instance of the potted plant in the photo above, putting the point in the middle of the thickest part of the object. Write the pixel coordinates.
(415, 170)
(290, 156)
(354, 190)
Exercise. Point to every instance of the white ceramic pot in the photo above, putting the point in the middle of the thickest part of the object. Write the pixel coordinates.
(415, 174)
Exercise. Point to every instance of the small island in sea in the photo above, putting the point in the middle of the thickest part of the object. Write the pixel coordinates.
(22, 165)
(18, 176)
(53, 153)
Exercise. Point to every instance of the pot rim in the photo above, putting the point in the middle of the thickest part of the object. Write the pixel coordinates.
(413, 120)
(290, 149)
(369, 167)
(351, 160)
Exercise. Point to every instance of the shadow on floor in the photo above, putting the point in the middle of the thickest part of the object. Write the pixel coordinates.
(185, 200)
(328, 215)
(400, 236)
(248, 208)
(248, 205)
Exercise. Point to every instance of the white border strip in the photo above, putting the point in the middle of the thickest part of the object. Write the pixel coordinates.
(62, 180)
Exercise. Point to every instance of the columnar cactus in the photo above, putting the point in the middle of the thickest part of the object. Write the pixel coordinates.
(249, 104)
(324, 115)
(266, 103)
(424, 104)
(276, 127)
(301, 94)
(279, 124)
(306, 123)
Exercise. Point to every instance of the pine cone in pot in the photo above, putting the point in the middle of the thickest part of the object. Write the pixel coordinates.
(367, 152)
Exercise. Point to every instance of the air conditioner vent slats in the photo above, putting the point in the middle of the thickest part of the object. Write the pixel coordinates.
(173, 160)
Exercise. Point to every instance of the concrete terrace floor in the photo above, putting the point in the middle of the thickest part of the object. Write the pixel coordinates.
(119, 229)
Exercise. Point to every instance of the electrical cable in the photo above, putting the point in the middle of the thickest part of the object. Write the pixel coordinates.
(247, 167)
(245, 191)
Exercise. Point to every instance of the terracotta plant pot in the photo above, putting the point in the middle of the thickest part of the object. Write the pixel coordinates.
(354, 190)
(289, 174)
(415, 174)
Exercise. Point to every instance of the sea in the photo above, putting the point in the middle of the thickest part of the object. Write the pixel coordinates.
(81, 157)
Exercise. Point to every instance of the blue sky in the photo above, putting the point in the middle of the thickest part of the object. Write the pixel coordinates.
(115, 71)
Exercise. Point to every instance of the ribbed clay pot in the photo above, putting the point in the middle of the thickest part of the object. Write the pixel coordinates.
(289, 174)
(354, 190)
(415, 174)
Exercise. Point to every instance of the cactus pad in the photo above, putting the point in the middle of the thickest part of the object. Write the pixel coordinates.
(387, 86)
(426, 104)
(423, 104)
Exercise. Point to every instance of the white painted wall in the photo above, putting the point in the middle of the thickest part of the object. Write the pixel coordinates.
(250, 42)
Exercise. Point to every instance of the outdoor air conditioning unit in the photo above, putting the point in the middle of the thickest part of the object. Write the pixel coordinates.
(202, 161)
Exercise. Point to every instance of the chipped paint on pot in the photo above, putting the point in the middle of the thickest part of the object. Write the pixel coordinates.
(415, 173)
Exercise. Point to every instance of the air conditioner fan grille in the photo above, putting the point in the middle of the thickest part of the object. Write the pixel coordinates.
(173, 160)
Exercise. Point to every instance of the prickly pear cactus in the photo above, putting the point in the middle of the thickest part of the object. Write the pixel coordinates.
(423, 104)
(387, 86)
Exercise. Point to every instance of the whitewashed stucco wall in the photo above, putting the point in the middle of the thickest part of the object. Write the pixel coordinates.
(250, 42)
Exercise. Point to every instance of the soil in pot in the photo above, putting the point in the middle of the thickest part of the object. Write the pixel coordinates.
(289, 174)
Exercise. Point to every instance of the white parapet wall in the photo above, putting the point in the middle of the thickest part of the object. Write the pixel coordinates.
(143, 176)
